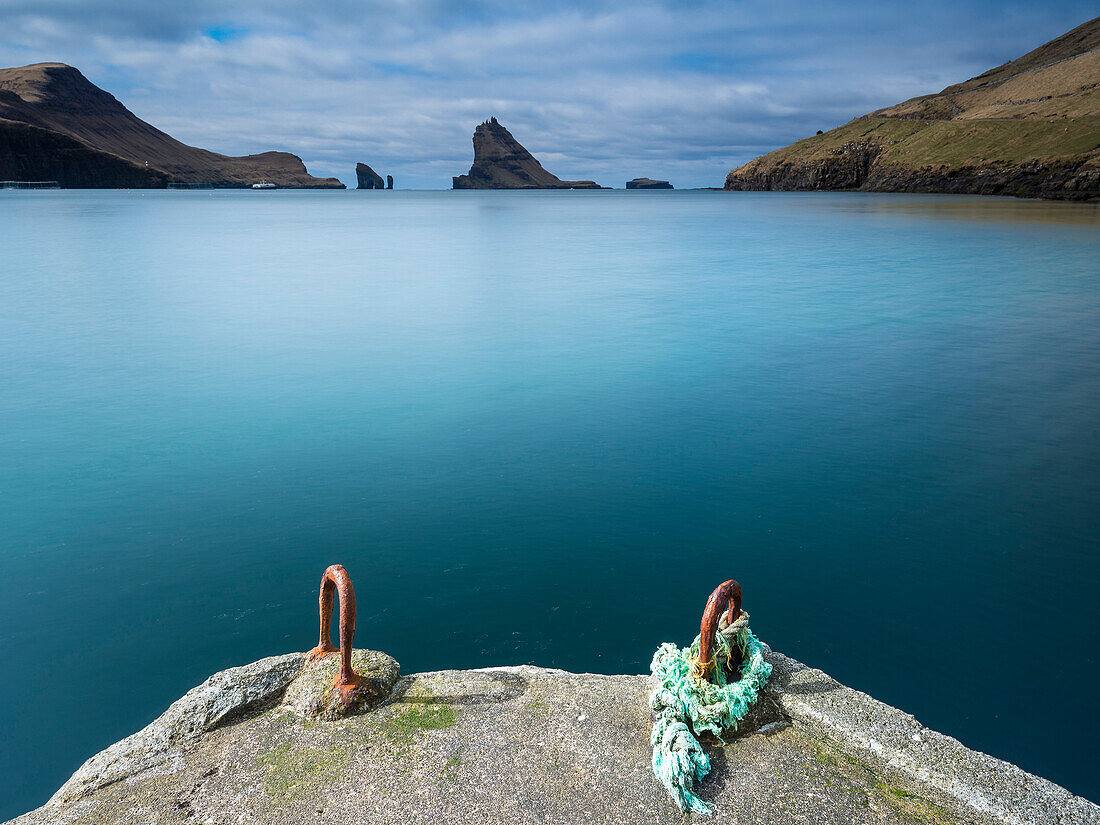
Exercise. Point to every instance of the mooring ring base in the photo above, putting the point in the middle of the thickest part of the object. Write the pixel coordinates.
(320, 652)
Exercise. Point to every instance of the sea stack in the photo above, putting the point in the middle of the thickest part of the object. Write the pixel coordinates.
(500, 162)
(368, 178)
(1026, 128)
(57, 125)
(648, 183)
(389, 181)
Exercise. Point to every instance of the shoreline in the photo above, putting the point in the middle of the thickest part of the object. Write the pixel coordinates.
(663, 193)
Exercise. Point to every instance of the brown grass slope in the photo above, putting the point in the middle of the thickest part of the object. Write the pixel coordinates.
(1030, 127)
(58, 99)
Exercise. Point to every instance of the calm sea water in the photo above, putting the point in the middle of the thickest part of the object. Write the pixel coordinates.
(541, 427)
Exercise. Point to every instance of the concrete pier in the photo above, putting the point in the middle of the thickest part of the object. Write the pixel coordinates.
(531, 745)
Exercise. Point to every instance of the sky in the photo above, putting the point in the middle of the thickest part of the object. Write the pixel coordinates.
(602, 90)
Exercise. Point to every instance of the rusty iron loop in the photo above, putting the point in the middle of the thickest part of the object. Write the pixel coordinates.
(726, 593)
(335, 579)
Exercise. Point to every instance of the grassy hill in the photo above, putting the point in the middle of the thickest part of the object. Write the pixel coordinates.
(1030, 127)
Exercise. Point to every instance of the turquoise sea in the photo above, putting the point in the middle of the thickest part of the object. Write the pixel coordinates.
(541, 427)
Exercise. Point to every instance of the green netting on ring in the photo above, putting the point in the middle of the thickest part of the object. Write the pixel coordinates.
(682, 698)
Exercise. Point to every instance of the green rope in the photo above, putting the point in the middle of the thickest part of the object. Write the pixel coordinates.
(682, 698)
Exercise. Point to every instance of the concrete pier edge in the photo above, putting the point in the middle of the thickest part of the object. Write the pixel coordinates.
(966, 784)
(964, 781)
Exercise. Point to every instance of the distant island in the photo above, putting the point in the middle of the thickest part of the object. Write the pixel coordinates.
(500, 162)
(57, 125)
(1029, 128)
(648, 183)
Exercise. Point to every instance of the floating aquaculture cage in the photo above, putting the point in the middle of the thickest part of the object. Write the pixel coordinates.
(29, 184)
(190, 186)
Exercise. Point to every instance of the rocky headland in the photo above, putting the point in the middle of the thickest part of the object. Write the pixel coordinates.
(57, 125)
(531, 745)
(500, 162)
(1030, 128)
(648, 183)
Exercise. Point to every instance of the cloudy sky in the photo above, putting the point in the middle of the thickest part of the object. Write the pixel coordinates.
(608, 91)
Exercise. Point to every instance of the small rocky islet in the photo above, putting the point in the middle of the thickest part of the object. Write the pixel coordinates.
(367, 178)
(648, 183)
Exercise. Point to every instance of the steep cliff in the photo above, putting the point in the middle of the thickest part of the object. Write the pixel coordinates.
(367, 178)
(32, 153)
(1029, 128)
(500, 162)
(87, 138)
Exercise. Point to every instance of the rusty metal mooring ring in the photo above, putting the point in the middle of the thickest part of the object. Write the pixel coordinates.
(336, 578)
(726, 593)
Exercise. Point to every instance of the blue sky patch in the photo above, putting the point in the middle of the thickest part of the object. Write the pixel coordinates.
(225, 33)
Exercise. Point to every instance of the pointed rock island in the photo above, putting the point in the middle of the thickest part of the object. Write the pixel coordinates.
(1029, 128)
(500, 162)
(56, 125)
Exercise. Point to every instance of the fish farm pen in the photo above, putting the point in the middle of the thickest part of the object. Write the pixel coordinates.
(29, 184)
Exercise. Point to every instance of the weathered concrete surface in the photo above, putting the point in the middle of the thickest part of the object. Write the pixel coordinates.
(528, 745)
(910, 757)
(157, 746)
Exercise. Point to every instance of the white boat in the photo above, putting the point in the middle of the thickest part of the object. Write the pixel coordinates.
(263, 185)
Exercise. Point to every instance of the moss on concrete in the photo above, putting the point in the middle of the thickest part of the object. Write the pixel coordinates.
(450, 769)
(872, 791)
(403, 726)
(296, 773)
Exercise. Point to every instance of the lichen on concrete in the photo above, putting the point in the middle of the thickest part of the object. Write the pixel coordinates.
(291, 772)
(402, 726)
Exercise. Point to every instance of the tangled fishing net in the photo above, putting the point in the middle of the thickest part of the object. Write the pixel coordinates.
(686, 703)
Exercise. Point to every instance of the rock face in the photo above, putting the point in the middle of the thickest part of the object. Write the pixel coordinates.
(529, 745)
(500, 162)
(648, 183)
(1027, 128)
(31, 153)
(56, 125)
(368, 178)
